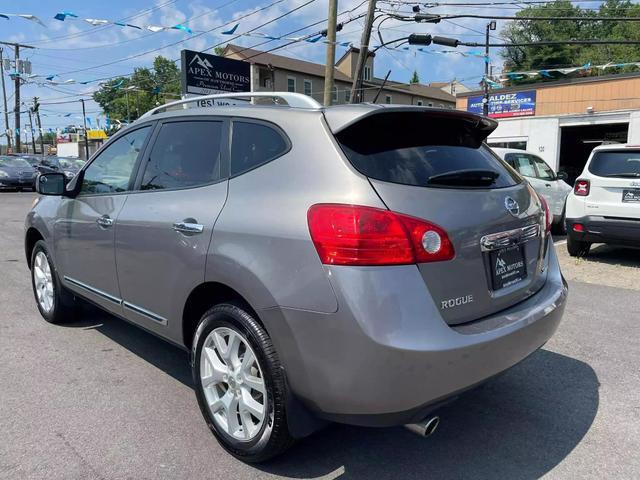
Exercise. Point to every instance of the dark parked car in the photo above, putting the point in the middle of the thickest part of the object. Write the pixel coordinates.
(69, 166)
(16, 173)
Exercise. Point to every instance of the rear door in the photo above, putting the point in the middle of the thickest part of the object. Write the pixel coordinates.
(164, 229)
(433, 166)
(615, 183)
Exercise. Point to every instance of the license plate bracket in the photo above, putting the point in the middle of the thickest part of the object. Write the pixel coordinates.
(508, 266)
(631, 195)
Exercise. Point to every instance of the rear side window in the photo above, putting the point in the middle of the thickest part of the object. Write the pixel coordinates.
(255, 144)
(623, 164)
(523, 163)
(185, 154)
(417, 149)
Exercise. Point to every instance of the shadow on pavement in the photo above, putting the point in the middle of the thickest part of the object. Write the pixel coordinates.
(518, 426)
(614, 255)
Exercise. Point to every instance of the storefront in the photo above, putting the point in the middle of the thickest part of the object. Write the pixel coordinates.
(562, 121)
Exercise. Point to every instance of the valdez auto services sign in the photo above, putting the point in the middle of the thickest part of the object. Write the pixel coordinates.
(204, 74)
(502, 105)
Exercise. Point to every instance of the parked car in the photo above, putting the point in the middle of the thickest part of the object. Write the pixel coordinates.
(361, 264)
(16, 173)
(604, 206)
(69, 166)
(542, 178)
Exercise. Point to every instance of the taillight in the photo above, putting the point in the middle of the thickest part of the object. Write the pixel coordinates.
(357, 235)
(548, 218)
(581, 188)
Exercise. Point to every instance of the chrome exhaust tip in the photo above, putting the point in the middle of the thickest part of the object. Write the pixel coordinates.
(425, 428)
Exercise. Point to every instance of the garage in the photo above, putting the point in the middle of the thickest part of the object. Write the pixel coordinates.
(577, 141)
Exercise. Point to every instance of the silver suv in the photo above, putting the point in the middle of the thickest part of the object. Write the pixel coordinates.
(360, 264)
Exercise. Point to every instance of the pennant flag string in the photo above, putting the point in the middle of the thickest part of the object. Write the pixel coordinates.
(97, 22)
(26, 16)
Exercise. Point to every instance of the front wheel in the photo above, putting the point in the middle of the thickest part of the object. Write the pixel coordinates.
(577, 248)
(240, 384)
(55, 303)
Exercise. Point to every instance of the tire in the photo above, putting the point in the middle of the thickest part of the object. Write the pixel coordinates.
(270, 436)
(577, 248)
(62, 307)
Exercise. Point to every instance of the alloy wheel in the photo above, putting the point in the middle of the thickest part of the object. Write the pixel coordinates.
(233, 384)
(43, 282)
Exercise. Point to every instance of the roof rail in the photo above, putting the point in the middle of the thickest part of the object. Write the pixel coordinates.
(294, 100)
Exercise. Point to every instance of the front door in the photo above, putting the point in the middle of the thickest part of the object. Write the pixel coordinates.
(164, 230)
(84, 232)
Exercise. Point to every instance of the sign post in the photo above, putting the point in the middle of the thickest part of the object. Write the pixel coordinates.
(206, 74)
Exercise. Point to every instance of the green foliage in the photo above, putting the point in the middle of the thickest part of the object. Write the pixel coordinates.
(415, 78)
(555, 56)
(125, 99)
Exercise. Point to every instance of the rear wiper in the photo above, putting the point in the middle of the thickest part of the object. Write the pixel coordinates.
(624, 175)
(465, 178)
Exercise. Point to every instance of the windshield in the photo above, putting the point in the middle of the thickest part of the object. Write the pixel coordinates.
(71, 163)
(616, 163)
(14, 162)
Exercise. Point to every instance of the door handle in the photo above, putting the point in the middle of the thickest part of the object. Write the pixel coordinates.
(188, 227)
(105, 221)
(547, 184)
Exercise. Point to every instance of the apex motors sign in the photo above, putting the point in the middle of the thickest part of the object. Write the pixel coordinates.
(204, 74)
(502, 105)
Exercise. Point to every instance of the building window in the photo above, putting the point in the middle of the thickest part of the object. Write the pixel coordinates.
(291, 84)
(367, 72)
(430, 104)
(308, 87)
(388, 99)
(347, 95)
(334, 94)
(419, 103)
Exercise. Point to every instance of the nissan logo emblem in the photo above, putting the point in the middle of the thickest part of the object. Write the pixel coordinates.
(512, 206)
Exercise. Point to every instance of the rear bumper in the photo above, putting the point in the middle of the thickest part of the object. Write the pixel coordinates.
(606, 230)
(386, 357)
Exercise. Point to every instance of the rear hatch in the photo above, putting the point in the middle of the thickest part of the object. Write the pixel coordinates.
(432, 164)
(615, 186)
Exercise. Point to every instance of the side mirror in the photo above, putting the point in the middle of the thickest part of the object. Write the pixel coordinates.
(562, 175)
(51, 184)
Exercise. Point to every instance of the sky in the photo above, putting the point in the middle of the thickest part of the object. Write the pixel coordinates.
(75, 50)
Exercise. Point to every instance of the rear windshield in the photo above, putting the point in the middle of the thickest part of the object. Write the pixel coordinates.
(415, 149)
(616, 164)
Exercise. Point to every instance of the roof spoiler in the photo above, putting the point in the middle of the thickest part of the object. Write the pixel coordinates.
(294, 100)
(342, 117)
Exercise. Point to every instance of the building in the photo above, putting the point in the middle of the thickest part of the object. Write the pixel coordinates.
(563, 120)
(453, 87)
(279, 73)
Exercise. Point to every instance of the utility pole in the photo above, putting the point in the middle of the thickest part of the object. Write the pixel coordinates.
(36, 109)
(485, 101)
(86, 139)
(332, 21)
(16, 111)
(33, 139)
(4, 98)
(356, 87)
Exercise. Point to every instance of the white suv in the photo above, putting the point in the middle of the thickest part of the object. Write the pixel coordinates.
(604, 206)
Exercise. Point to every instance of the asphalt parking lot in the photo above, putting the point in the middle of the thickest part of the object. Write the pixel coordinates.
(101, 399)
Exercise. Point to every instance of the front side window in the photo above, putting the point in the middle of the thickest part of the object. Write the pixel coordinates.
(254, 144)
(111, 171)
(544, 170)
(185, 154)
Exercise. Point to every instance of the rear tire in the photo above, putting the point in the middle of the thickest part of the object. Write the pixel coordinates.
(55, 303)
(245, 407)
(577, 248)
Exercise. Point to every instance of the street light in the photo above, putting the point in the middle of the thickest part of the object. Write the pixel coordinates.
(485, 103)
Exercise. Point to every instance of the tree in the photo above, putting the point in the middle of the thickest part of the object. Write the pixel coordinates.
(415, 78)
(125, 99)
(565, 55)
